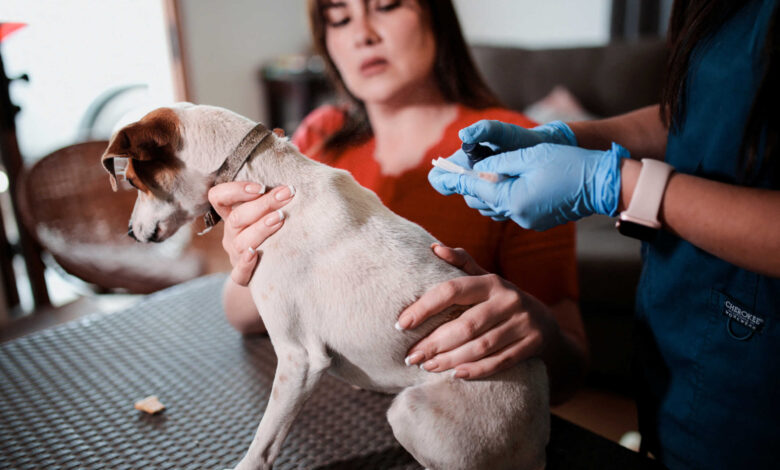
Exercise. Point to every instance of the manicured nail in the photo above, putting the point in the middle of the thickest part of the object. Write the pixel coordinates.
(398, 326)
(275, 218)
(254, 188)
(249, 255)
(461, 374)
(413, 358)
(285, 193)
(430, 365)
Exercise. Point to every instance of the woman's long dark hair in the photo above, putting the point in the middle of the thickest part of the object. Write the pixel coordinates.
(456, 75)
(691, 23)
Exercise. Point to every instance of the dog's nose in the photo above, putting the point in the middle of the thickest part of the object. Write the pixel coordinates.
(130, 233)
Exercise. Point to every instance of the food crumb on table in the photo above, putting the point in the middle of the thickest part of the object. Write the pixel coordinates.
(149, 405)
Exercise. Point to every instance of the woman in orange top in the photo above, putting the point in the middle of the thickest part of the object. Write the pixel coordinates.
(410, 86)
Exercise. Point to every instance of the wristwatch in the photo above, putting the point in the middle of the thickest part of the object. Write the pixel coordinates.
(640, 220)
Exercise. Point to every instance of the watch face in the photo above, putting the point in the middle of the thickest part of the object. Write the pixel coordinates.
(635, 230)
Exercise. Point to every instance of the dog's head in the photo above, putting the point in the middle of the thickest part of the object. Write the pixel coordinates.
(171, 156)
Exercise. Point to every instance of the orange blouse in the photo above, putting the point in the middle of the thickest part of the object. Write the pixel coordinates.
(540, 263)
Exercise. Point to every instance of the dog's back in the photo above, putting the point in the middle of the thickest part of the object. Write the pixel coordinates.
(349, 266)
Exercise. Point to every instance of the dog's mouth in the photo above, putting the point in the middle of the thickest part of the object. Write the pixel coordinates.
(155, 234)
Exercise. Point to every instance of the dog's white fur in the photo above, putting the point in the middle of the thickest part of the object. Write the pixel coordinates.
(330, 286)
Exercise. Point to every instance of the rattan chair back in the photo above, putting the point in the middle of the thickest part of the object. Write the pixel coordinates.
(67, 204)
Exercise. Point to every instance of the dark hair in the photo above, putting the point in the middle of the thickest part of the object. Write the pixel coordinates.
(692, 21)
(456, 75)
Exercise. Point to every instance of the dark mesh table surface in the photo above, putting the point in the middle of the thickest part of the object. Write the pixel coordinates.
(67, 395)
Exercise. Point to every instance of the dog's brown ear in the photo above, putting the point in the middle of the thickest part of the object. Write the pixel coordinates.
(155, 136)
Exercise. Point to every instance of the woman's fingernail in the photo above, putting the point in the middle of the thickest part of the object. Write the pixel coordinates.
(413, 358)
(430, 365)
(275, 218)
(461, 374)
(254, 188)
(251, 250)
(285, 193)
(398, 326)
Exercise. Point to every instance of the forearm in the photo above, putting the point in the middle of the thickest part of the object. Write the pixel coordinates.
(567, 355)
(640, 131)
(737, 224)
(240, 309)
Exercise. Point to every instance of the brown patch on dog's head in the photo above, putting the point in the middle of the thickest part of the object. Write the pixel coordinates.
(149, 146)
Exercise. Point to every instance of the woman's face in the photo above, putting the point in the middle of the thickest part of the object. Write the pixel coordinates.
(381, 48)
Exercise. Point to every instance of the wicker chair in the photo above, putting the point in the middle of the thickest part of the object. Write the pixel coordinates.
(67, 204)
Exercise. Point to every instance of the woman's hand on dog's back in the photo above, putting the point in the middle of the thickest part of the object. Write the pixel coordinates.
(503, 326)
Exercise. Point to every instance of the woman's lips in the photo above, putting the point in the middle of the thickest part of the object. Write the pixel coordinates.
(372, 66)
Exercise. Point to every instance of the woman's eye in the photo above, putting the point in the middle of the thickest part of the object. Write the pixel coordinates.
(387, 5)
(336, 16)
(336, 24)
(130, 182)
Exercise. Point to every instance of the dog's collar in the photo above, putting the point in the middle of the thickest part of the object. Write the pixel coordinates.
(233, 164)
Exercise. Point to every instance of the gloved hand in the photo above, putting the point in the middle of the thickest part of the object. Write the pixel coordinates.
(546, 185)
(507, 137)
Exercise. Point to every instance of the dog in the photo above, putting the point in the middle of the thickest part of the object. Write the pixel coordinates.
(329, 287)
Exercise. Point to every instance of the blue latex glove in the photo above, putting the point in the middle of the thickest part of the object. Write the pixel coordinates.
(505, 137)
(546, 185)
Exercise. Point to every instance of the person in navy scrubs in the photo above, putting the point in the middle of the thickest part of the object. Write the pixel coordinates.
(708, 303)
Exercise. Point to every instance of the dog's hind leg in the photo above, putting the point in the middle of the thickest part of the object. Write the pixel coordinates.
(423, 419)
(501, 423)
(297, 372)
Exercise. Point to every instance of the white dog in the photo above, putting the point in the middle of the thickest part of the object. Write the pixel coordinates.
(329, 288)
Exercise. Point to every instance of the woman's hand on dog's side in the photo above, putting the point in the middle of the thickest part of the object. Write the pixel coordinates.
(503, 326)
(251, 216)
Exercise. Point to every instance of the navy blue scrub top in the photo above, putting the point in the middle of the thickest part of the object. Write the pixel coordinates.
(708, 338)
